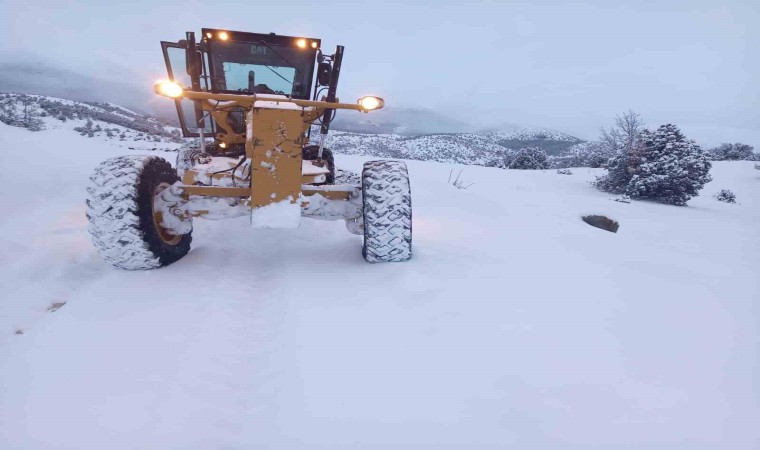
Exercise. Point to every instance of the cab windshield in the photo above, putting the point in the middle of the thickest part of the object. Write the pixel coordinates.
(260, 68)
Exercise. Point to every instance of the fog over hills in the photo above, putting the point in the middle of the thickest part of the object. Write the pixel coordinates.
(117, 125)
(32, 74)
(400, 120)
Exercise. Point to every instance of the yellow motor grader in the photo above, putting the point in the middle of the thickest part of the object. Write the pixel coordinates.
(251, 100)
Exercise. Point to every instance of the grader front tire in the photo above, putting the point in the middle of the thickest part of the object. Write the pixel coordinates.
(123, 224)
(387, 208)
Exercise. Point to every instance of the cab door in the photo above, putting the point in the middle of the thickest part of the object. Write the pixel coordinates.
(190, 119)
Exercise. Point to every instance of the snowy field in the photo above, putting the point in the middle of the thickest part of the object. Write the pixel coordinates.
(515, 325)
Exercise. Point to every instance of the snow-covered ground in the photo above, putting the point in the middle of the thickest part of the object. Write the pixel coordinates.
(514, 325)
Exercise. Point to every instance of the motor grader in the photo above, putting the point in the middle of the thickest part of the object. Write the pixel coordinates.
(251, 101)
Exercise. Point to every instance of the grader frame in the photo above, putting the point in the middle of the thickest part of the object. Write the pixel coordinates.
(276, 133)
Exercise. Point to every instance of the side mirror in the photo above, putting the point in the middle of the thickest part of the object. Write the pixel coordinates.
(192, 57)
(324, 73)
(194, 65)
(251, 81)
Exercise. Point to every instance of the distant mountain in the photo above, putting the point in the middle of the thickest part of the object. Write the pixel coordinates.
(551, 141)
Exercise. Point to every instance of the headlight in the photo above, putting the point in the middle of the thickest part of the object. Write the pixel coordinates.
(168, 89)
(369, 103)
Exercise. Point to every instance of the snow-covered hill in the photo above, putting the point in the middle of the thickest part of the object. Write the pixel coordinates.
(109, 123)
(515, 324)
(487, 149)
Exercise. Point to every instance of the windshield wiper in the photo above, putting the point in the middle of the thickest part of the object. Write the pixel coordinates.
(278, 74)
(282, 57)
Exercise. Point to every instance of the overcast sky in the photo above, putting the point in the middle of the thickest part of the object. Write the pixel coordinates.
(570, 66)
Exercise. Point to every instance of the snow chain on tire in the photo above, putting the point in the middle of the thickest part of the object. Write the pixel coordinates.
(120, 212)
(387, 207)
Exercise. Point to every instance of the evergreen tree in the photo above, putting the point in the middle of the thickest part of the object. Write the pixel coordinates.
(618, 173)
(663, 166)
(667, 167)
(8, 112)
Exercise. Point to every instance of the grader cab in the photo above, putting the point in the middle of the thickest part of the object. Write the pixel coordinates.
(250, 101)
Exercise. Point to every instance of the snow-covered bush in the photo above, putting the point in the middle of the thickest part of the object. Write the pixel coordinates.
(732, 152)
(530, 158)
(757, 166)
(87, 129)
(725, 196)
(564, 172)
(662, 166)
(506, 157)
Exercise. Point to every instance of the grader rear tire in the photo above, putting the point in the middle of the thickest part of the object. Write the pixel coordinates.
(387, 208)
(123, 224)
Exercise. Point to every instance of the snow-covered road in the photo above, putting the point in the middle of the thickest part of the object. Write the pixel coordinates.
(515, 323)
